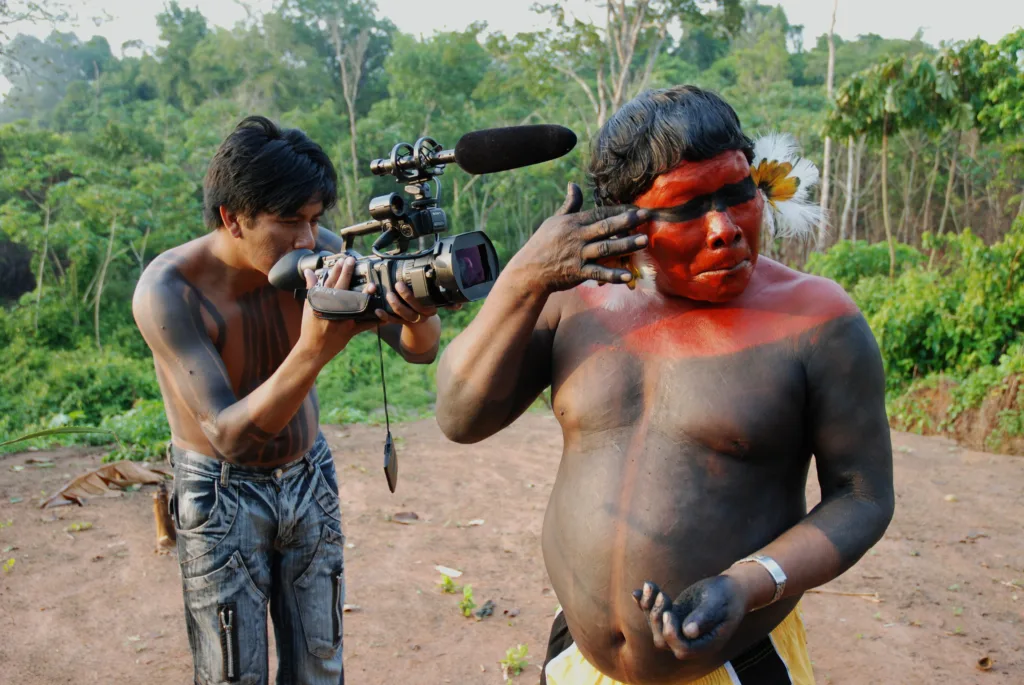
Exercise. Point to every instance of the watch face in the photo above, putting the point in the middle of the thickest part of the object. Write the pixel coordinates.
(390, 463)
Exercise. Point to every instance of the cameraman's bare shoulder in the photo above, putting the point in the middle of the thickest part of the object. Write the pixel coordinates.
(163, 288)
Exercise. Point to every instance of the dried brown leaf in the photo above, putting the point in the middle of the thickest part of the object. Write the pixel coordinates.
(405, 517)
(98, 483)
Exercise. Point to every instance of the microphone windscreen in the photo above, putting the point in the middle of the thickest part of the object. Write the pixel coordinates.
(501, 149)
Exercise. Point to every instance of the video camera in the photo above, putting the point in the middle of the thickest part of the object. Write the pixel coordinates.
(455, 269)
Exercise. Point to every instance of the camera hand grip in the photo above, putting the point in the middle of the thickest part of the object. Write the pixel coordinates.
(335, 304)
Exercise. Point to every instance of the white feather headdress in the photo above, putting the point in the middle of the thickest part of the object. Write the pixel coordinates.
(784, 178)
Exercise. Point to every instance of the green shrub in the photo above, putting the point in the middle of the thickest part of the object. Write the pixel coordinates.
(956, 318)
(143, 431)
(847, 262)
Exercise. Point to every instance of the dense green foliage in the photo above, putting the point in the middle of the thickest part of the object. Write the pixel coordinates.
(102, 158)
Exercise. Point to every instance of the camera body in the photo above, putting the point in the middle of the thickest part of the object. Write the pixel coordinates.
(455, 269)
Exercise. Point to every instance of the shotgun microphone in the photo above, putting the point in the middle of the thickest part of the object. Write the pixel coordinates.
(489, 150)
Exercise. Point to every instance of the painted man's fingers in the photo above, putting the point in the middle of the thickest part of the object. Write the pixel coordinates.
(612, 220)
(605, 274)
(611, 248)
(573, 200)
(673, 636)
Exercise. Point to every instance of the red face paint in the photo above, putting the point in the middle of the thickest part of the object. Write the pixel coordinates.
(711, 257)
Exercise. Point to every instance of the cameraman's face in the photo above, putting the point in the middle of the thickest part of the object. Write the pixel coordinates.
(704, 237)
(268, 237)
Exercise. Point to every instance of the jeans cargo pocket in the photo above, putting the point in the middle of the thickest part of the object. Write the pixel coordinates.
(204, 512)
(227, 625)
(320, 595)
(325, 489)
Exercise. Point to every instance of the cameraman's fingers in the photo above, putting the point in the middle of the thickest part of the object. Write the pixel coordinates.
(402, 309)
(310, 278)
(609, 248)
(612, 223)
(605, 274)
(341, 274)
(405, 292)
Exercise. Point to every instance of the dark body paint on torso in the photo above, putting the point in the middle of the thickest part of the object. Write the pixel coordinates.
(685, 449)
(252, 334)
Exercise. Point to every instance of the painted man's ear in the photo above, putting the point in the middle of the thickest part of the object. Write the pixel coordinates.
(231, 221)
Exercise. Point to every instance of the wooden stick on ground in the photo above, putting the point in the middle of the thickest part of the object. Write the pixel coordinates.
(870, 596)
(165, 534)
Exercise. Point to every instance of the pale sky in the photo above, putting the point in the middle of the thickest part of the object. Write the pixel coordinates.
(940, 19)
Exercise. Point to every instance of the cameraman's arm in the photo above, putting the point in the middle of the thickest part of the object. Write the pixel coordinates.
(416, 342)
(499, 364)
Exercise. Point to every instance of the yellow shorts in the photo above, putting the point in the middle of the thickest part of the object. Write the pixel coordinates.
(781, 658)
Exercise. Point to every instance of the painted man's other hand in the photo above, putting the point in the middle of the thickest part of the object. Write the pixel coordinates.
(701, 619)
(571, 246)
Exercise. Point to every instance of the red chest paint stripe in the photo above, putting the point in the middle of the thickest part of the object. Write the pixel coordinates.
(670, 331)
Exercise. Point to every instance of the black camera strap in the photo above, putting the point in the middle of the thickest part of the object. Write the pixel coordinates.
(383, 385)
(390, 453)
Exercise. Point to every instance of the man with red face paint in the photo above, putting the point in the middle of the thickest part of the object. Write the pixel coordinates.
(691, 400)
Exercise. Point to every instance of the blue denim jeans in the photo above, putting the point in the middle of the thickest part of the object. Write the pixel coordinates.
(253, 538)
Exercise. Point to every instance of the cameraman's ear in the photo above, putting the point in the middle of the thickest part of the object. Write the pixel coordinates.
(573, 200)
(231, 221)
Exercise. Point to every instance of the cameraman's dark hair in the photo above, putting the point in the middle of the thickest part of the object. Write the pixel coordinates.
(261, 167)
(656, 131)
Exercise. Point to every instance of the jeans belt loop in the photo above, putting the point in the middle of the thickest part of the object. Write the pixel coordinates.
(225, 471)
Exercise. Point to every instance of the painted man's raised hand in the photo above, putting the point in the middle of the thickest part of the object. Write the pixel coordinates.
(568, 246)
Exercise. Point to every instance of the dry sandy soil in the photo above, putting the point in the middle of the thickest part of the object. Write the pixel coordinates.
(99, 606)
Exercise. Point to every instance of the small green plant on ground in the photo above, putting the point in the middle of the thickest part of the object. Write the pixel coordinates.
(448, 587)
(514, 661)
(467, 604)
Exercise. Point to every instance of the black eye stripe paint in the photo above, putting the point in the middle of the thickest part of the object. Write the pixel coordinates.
(729, 195)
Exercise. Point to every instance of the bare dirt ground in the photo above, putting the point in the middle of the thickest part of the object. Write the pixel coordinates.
(99, 606)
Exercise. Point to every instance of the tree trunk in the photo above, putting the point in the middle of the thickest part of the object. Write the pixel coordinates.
(926, 222)
(826, 172)
(949, 192)
(99, 282)
(856, 190)
(42, 268)
(350, 63)
(885, 197)
(848, 204)
(905, 215)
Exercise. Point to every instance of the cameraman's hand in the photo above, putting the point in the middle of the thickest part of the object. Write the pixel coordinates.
(322, 337)
(567, 248)
(407, 310)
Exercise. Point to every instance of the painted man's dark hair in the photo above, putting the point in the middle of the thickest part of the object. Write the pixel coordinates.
(261, 167)
(655, 132)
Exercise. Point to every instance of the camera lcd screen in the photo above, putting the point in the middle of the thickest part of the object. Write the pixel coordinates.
(472, 263)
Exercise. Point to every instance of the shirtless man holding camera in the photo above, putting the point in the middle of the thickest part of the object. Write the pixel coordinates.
(255, 500)
(677, 536)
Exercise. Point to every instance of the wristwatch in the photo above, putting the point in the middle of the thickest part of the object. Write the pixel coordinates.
(770, 565)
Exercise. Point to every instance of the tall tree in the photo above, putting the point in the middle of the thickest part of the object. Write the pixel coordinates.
(612, 61)
(827, 166)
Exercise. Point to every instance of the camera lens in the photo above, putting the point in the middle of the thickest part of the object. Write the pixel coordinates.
(472, 263)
